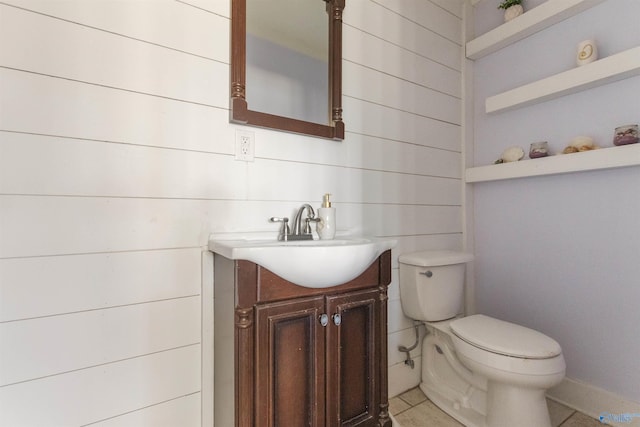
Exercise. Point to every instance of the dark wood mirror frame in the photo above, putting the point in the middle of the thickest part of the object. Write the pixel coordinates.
(240, 112)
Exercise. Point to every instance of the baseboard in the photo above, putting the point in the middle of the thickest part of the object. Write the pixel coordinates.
(594, 401)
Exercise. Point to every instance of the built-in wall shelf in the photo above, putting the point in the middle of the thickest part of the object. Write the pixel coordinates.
(534, 20)
(607, 70)
(604, 158)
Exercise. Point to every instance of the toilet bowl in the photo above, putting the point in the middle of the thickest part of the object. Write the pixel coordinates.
(480, 370)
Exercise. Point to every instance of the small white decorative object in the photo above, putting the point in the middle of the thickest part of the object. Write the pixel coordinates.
(511, 154)
(513, 12)
(582, 143)
(579, 144)
(512, 9)
(587, 52)
(326, 228)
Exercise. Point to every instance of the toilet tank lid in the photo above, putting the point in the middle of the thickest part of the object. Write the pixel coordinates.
(435, 258)
(498, 336)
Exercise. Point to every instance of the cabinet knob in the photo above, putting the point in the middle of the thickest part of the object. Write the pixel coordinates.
(337, 319)
(324, 319)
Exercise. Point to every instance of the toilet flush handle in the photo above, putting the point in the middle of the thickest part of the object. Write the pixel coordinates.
(427, 273)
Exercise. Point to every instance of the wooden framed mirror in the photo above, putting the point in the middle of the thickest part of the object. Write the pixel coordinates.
(311, 113)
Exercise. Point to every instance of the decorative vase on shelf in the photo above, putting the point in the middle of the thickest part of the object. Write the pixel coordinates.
(587, 52)
(513, 12)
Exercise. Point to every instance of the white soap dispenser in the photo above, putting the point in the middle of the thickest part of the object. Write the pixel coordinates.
(326, 228)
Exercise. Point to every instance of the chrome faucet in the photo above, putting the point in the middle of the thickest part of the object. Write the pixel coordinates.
(297, 222)
(299, 232)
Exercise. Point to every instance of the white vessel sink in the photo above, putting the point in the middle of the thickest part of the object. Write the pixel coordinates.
(308, 263)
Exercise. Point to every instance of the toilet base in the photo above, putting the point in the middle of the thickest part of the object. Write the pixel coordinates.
(509, 406)
(467, 416)
(447, 383)
(470, 397)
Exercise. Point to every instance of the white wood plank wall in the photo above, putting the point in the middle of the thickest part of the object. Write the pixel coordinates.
(116, 163)
(403, 101)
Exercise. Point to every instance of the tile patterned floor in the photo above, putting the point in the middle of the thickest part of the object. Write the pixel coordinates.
(413, 409)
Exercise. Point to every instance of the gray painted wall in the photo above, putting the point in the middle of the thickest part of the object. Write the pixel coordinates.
(560, 253)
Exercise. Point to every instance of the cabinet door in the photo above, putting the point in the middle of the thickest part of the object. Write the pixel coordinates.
(353, 362)
(290, 371)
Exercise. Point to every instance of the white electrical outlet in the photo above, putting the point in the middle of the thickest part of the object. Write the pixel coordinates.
(245, 145)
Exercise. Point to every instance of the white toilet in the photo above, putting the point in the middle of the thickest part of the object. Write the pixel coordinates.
(480, 370)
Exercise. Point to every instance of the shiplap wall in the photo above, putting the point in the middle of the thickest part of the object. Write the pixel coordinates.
(116, 163)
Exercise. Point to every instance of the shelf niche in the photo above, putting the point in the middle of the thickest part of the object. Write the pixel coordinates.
(603, 71)
(606, 70)
(537, 19)
(603, 158)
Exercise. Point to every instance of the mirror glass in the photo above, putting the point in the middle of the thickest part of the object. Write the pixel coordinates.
(286, 65)
(287, 59)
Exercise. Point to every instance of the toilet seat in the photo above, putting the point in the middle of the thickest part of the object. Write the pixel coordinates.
(504, 338)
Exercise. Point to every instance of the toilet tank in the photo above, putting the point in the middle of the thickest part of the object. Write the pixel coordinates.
(432, 284)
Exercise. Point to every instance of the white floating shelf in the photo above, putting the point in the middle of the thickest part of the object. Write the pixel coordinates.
(604, 158)
(534, 20)
(607, 70)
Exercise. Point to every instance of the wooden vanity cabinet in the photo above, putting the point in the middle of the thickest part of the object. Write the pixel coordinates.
(310, 357)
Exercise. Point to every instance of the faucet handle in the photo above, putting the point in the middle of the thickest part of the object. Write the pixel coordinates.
(276, 219)
(307, 227)
(284, 230)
